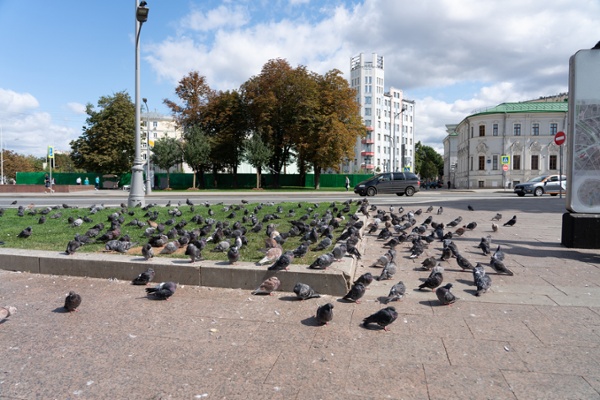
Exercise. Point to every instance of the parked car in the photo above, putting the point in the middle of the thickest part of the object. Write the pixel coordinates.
(400, 183)
(550, 184)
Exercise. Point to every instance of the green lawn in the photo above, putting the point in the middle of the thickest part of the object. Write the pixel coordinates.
(55, 233)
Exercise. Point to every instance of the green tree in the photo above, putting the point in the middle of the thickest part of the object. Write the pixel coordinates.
(258, 155)
(165, 154)
(15, 162)
(108, 139)
(429, 164)
(196, 152)
(332, 132)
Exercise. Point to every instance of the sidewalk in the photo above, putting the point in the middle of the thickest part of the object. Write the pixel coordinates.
(534, 335)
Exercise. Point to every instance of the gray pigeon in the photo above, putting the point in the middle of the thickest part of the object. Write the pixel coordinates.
(324, 314)
(429, 263)
(396, 293)
(163, 290)
(170, 247)
(484, 245)
(72, 246)
(463, 262)
(222, 246)
(283, 262)
(356, 292)
(365, 279)
(481, 279)
(147, 251)
(339, 251)
(144, 278)
(72, 301)
(305, 292)
(497, 217)
(444, 295)
(323, 244)
(25, 233)
(388, 271)
(193, 252)
(383, 318)
(233, 254)
(511, 222)
(434, 280)
(497, 263)
(323, 261)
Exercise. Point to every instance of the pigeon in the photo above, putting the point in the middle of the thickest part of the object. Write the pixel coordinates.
(147, 251)
(429, 209)
(7, 311)
(323, 244)
(497, 263)
(388, 272)
(396, 293)
(25, 233)
(144, 278)
(222, 246)
(463, 262)
(193, 252)
(72, 301)
(271, 255)
(283, 262)
(323, 261)
(481, 279)
(72, 246)
(511, 221)
(339, 251)
(163, 290)
(305, 292)
(497, 217)
(233, 254)
(301, 250)
(324, 314)
(356, 292)
(444, 295)
(494, 227)
(440, 211)
(268, 286)
(470, 208)
(383, 318)
(365, 279)
(170, 247)
(484, 245)
(471, 225)
(434, 280)
(429, 263)
(42, 219)
(460, 231)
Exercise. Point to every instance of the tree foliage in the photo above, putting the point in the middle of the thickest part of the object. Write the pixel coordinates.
(196, 151)
(166, 153)
(429, 164)
(258, 155)
(108, 139)
(15, 162)
(194, 94)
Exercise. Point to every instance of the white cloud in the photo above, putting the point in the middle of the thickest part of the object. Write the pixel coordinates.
(220, 17)
(77, 108)
(13, 102)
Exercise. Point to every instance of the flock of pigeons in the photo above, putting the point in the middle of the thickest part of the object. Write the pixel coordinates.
(394, 227)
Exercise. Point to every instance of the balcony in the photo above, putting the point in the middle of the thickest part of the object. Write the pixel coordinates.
(367, 153)
(368, 141)
(369, 166)
(370, 128)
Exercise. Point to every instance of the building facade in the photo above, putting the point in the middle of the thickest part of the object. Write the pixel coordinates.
(388, 119)
(157, 126)
(505, 145)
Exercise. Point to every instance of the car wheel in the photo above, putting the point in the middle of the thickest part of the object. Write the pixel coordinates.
(371, 191)
(538, 191)
(409, 191)
(520, 194)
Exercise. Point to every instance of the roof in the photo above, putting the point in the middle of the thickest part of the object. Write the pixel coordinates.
(525, 107)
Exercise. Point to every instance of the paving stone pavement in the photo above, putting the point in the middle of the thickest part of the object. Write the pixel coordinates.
(534, 335)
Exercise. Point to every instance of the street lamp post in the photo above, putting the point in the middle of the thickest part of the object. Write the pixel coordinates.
(1, 157)
(396, 115)
(148, 179)
(136, 191)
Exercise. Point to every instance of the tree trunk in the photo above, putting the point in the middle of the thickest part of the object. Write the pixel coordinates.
(168, 178)
(194, 180)
(317, 173)
(258, 178)
(214, 176)
(201, 178)
(235, 177)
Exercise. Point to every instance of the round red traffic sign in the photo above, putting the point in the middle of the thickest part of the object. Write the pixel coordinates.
(560, 138)
(505, 167)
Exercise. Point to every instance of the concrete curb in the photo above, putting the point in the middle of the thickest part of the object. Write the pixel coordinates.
(334, 281)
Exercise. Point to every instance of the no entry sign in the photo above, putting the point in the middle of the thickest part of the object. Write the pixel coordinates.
(560, 138)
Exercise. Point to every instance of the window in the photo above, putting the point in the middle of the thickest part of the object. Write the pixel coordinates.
(495, 130)
(481, 163)
(155, 124)
(368, 122)
(517, 129)
(516, 162)
(535, 162)
(379, 136)
(553, 128)
(368, 100)
(481, 184)
(472, 128)
(368, 112)
(553, 163)
(471, 163)
(535, 130)
(481, 130)
(495, 162)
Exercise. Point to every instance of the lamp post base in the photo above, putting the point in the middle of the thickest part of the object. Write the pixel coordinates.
(136, 193)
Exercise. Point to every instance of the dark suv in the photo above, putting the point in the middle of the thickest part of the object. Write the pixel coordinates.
(400, 183)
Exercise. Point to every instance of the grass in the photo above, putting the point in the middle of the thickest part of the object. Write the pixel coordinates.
(55, 233)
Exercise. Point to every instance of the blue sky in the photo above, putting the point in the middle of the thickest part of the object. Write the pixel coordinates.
(451, 57)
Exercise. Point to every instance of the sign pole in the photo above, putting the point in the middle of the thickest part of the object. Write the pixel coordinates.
(560, 155)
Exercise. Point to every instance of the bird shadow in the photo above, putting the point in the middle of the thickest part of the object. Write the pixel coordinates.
(471, 291)
(372, 327)
(185, 262)
(465, 281)
(289, 298)
(60, 310)
(430, 303)
(311, 321)
(342, 300)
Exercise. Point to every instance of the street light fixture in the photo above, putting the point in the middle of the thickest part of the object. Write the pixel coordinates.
(136, 191)
(148, 179)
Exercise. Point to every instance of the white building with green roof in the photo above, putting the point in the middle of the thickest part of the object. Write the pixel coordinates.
(521, 134)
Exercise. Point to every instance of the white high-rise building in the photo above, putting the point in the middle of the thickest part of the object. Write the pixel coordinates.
(388, 118)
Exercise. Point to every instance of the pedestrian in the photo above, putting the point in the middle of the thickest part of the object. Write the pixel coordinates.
(449, 185)
(97, 183)
(78, 181)
(46, 183)
(347, 183)
(86, 182)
